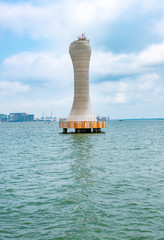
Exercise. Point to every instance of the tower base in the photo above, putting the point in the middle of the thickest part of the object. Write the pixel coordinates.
(82, 126)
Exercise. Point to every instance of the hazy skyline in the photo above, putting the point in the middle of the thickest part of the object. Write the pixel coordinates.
(126, 68)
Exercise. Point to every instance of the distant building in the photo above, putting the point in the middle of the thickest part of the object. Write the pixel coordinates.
(21, 117)
(3, 118)
(29, 117)
(101, 118)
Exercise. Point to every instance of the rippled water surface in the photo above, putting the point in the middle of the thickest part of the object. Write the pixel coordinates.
(82, 186)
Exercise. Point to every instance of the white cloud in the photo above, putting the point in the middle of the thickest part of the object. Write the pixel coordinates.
(96, 12)
(152, 55)
(9, 88)
(148, 82)
(46, 66)
(144, 88)
(29, 18)
(42, 66)
(105, 63)
(60, 18)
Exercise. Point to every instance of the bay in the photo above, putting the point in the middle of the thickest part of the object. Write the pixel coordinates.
(82, 186)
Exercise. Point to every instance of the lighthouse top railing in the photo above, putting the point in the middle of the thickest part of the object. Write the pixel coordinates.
(82, 37)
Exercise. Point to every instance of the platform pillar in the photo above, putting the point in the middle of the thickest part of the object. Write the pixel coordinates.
(96, 130)
(64, 130)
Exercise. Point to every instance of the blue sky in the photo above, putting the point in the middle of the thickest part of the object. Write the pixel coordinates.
(127, 62)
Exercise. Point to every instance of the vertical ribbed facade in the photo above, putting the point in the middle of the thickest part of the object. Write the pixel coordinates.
(80, 52)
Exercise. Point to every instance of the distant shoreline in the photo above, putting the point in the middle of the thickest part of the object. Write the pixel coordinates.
(128, 119)
(118, 119)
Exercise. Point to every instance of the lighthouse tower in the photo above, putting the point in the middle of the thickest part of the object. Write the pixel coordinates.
(80, 52)
(81, 116)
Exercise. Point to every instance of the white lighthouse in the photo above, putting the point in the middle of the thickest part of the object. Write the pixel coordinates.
(81, 116)
(80, 52)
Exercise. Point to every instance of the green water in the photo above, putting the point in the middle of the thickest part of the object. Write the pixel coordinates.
(82, 186)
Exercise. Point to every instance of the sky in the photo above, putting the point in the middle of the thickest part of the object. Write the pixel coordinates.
(126, 66)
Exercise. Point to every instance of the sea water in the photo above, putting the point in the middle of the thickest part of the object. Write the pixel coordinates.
(82, 186)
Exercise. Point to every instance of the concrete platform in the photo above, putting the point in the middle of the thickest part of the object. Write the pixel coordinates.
(82, 126)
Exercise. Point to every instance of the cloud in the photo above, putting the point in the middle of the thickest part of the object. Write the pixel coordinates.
(154, 54)
(58, 70)
(106, 63)
(41, 66)
(58, 19)
(10, 88)
(55, 20)
(24, 17)
(143, 88)
(96, 12)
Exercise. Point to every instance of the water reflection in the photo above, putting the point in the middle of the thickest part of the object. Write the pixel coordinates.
(80, 157)
(82, 186)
